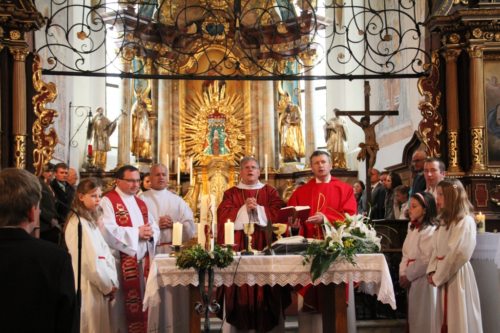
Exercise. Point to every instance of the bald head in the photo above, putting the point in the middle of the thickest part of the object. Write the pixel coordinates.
(418, 160)
(158, 177)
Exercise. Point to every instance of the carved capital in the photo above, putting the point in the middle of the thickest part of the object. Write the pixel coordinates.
(452, 38)
(475, 51)
(451, 55)
(18, 53)
(477, 145)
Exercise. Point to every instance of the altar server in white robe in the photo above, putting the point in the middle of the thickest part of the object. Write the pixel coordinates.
(99, 279)
(132, 234)
(458, 307)
(417, 250)
(167, 208)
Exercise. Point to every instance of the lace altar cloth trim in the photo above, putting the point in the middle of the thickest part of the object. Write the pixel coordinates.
(487, 247)
(371, 271)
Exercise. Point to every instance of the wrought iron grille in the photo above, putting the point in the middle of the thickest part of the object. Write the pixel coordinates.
(234, 39)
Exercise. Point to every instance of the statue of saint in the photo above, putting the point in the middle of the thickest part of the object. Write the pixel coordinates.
(141, 130)
(336, 140)
(290, 127)
(101, 128)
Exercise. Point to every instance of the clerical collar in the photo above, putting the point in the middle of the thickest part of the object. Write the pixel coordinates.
(122, 194)
(255, 186)
(328, 179)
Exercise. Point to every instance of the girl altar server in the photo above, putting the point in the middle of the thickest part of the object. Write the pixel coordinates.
(417, 250)
(98, 271)
(458, 308)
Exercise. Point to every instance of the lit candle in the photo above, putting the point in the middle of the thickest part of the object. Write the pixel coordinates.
(89, 150)
(177, 234)
(191, 171)
(481, 222)
(168, 167)
(201, 235)
(229, 233)
(178, 170)
(265, 168)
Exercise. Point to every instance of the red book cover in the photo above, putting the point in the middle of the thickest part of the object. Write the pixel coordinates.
(290, 213)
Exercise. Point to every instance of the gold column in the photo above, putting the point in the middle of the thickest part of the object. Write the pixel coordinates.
(124, 125)
(451, 56)
(19, 106)
(477, 108)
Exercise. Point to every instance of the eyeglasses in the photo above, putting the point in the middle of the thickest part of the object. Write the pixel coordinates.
(131, 181)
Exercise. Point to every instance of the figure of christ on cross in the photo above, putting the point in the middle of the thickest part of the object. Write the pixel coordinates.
(370, 147)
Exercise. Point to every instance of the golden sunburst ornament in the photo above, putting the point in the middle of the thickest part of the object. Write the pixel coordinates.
(212, 126)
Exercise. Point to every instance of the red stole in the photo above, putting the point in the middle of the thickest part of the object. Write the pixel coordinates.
(137, 320)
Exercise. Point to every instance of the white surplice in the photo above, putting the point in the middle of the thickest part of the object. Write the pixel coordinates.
(452, 250)
(126, 240)
(174, 304)
(98, 274)
(417, 251)
(164, 202)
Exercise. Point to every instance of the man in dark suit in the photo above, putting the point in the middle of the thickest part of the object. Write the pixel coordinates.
(378, 194)
(37, 287)
(417, 171)
(63, 192)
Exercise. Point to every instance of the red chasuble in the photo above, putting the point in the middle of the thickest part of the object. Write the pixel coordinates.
(333, 199)
(137, 320)
(231, 203)
(251, 307)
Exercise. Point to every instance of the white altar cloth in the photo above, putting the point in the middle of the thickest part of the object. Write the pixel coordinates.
(486, 264)
(488, 247)
(371, 271)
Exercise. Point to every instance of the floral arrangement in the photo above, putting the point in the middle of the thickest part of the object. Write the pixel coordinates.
(199, 258)
(343, 240)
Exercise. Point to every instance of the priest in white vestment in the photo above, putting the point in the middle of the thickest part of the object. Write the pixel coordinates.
(167, 208)
(132, 234)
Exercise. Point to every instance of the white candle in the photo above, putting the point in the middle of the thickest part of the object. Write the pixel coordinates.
(178, 170)
(265, 168)
(229, 233)
(191, 171)
(177, 234)
(168, 167)
(201, 235)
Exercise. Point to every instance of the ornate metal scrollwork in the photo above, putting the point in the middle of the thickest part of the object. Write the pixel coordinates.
(374, 38)
(45, 141)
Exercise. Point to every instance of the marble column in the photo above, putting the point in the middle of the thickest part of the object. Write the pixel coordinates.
(309, 112)
(153, 115)
(453, 123)
(165, 122)
(476, 105)
(19, 106)
(126, 105)
(268, 128)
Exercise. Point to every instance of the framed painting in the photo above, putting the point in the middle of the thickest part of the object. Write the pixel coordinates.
(492, 110)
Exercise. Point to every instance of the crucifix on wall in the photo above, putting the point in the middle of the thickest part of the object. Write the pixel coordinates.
(370, 147)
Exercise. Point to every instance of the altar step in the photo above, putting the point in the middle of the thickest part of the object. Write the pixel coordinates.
(363, 326)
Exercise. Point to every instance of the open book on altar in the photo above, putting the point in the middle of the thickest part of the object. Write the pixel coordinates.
(290, 213)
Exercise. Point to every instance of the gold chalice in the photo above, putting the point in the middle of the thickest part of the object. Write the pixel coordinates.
(248, 230)
(279, 229)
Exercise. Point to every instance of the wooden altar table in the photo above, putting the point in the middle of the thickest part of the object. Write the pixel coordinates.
(371, 271)
(486, 264)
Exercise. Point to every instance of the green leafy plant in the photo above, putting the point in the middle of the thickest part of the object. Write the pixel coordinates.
(343, 240)
(201, 259)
